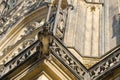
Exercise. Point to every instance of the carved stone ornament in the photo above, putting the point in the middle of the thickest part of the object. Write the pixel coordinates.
(47, 43)
(24, 39)
(10, 15)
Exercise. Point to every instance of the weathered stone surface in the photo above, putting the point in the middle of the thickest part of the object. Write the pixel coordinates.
(93, 27)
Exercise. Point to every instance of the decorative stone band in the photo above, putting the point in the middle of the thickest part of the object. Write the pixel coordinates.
(19, 59)
(105, 65)
(110, 62)
(68, 59)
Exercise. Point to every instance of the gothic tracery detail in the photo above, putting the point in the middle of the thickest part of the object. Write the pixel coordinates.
(29, 47)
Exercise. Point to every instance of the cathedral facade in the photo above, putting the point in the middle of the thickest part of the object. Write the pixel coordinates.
(59, 40)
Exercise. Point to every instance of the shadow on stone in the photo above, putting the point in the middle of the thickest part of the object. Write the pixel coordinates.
(116, 28)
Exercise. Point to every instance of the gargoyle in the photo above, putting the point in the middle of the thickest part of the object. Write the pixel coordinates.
(45, 39)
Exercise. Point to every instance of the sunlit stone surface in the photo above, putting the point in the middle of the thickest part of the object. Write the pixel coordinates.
(42, 77)
(93, 26)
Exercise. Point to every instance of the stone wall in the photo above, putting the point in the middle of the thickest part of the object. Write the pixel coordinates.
(92, 27)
